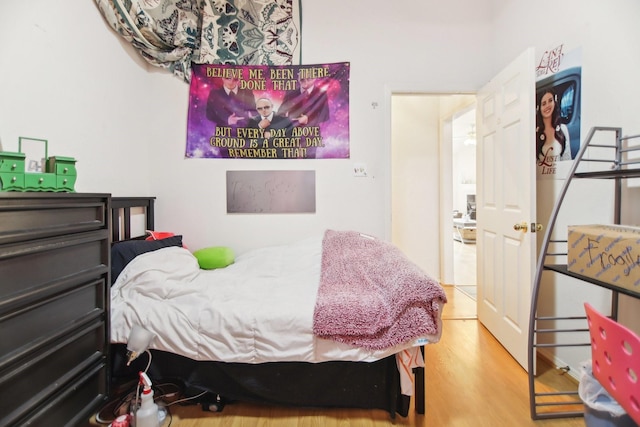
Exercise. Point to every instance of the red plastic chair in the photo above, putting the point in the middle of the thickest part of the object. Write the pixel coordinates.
(615, 357)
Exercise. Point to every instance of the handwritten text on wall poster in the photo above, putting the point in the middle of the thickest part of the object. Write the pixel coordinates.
(271, 192)
(269, 112)
(550, 61)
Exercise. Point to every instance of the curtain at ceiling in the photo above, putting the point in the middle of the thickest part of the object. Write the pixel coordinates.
(174, 33)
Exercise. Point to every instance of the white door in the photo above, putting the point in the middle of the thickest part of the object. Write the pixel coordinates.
(505, 198)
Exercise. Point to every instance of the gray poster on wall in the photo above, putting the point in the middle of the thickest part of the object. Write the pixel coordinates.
(271, 192)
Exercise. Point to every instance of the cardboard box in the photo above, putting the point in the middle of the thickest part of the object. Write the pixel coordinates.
(608, 253)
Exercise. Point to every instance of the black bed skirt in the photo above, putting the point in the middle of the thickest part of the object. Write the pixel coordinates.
(374, 385)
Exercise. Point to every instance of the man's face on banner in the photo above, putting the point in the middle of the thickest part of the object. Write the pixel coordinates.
(264, 107)
(230, 84)
(306, 84)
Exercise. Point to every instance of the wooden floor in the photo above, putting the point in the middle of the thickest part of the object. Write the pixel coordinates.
(459, 305)
(470, 382)
(464, 263)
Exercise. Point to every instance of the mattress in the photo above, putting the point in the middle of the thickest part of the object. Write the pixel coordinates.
(259, 309)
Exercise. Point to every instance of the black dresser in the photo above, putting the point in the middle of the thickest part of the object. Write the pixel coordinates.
(54, 306)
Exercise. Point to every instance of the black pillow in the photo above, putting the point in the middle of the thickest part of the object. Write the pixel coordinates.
(123, 252)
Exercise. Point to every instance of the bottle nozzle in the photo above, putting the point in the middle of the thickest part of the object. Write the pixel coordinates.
(131, 356)
(145, 381)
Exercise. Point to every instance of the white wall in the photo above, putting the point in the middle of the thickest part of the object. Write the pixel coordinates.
(67, 77)
(415, 167)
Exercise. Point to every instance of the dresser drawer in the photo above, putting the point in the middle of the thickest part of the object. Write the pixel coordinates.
(11, 162)
(69, 401)
(27, 216)
(76, 405)
(52, 369)
(11, 181)
(44, 267)
(66, 182)
(40, 181)
(62, 166)
(28, 330)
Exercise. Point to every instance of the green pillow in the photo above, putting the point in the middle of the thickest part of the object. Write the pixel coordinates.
(214, 257)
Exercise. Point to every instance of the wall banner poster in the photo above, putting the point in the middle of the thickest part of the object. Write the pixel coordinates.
(269, 112)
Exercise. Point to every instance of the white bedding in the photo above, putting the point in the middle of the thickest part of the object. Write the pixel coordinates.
(259, 309)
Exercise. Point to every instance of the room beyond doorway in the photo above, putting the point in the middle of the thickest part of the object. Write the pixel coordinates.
(464, 267)
(422, 132)
(463, 185)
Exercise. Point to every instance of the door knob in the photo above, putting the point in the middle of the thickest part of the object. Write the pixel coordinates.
(536, 226)
(523, 226)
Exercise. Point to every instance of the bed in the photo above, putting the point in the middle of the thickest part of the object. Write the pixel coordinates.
(276, 326)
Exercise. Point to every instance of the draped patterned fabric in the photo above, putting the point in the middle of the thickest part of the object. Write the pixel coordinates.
(172, 34)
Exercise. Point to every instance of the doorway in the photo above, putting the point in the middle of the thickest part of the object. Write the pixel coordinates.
(433, 174)
(506, 198)
(463, 185)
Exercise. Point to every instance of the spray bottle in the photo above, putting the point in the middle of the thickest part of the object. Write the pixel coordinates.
(147, 414)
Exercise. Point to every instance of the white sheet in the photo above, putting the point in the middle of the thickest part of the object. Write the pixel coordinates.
(259, 309)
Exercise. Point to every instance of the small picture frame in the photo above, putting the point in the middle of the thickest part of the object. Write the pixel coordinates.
(35, 152)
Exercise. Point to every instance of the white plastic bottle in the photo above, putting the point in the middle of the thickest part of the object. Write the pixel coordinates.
(147, 414)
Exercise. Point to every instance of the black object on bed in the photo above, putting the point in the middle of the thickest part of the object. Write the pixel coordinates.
(127, 251)
(368, 385)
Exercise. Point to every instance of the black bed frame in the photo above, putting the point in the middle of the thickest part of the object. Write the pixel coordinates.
(374, 385)
(121, 212)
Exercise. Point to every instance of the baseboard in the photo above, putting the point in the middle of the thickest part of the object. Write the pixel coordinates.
(555, 362)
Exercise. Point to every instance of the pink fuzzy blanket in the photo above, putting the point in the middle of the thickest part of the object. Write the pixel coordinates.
(371, 295)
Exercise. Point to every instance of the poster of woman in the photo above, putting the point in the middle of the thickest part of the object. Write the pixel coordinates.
(558, 94)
